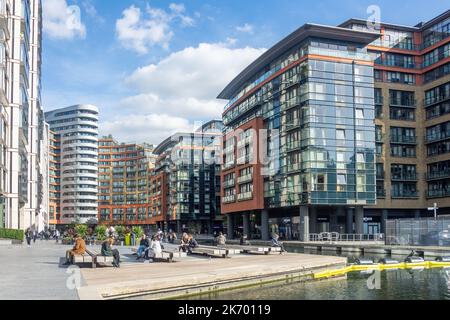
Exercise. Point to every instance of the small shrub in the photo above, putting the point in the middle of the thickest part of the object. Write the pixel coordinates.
(81, 230)
(100, 232)
(12, 234)
(138, 232)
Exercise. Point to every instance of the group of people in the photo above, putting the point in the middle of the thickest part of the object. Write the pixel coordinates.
(107, 250)
(187, 243)
(33, 235)
(149, 248)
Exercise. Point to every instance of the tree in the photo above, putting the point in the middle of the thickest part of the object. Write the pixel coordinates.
(81, 230)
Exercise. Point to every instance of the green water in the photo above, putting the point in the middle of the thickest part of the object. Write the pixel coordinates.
(433, 284)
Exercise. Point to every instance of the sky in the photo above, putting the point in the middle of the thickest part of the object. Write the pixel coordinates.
(154, 67)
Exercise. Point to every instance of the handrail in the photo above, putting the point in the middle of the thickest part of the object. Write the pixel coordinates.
(336, 237)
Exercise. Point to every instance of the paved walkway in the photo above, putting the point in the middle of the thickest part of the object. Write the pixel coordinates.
(32, 273)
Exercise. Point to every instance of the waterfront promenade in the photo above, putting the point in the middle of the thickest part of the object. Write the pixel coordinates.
(37, 272)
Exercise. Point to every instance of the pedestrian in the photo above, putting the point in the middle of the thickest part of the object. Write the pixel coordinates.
(35, 235)
(57, 235)
(155, 248)
(28, 236)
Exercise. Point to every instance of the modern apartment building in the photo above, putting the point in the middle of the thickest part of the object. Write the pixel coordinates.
(22, 128)
(185, 188)
(125, 172)
(54, 164)
(74, 143)
(341, 157)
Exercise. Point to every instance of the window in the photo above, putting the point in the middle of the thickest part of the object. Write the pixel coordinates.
(340, 134)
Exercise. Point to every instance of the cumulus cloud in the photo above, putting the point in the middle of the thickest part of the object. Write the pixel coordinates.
(152, 128)
(183, 86)
(61, 21)
(139, 32)
(246, 28)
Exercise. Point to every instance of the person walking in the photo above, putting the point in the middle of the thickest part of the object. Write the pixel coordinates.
(28, 236)
(108, 251)
(35, 235)
(57, 235)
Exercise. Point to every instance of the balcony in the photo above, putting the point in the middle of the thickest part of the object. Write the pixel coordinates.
(404, 139)
(292, 146)
(245, 179)
(408, 103)
(292, 103)
(229, 183)
(229, 199)
(437, 137)
(396, 45)
(404, 177)
(245, 141)
(434, 100)
(438, 193)
(292, 125)
(405, 195)
(245, 196)
(444, 174)
(397, 63)
(228, 165)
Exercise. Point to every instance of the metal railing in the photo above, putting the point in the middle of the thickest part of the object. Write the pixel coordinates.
(337, 237)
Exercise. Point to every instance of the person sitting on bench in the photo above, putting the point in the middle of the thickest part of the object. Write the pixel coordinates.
(276, 243)
(108, 251)
(184, 243)
(143, 246)
(192, 243)
(155, 248)
(243, 241)
(221, 239)
(78, 249)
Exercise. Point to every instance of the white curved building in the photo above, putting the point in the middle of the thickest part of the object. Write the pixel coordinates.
(77, 129)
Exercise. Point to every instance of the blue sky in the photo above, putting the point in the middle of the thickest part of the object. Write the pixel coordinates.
(153, 67)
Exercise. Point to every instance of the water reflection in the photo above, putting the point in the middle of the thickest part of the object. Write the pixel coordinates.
(432, 284)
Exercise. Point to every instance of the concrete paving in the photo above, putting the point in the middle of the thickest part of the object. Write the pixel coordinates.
(35, 272)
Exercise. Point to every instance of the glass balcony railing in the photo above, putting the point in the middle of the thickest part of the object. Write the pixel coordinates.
(229, 183)
(229, 199)
(404, 177)
(412, 103)
(246, 178)
(437, 136)
(245, 196)
(403, 45)
(405, 194)
(434, 100)
(340, 54)
(404, 139)
(438, 193)
(444, 174)
(398, 63)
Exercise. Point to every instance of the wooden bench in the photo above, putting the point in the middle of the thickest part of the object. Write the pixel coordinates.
(83, 259)
(98, 258)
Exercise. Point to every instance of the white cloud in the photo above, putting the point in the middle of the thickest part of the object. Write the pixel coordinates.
(246, 28)
(152, 128)
(184, 86)
(62, 21)
(91, 11)
(139, 33)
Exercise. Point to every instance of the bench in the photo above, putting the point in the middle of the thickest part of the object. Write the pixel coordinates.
(164, 255)
(211, 251)
(250, 249)
(83, 259)
(98, 258)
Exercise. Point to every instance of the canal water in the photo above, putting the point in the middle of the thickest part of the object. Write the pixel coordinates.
(432, 284)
